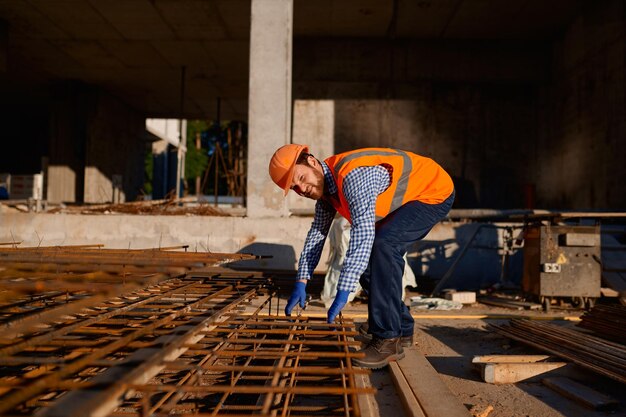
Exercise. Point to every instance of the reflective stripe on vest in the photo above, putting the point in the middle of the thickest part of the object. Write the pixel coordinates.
(403, 181)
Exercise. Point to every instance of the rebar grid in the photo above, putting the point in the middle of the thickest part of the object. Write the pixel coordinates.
(117, 338)
(85, 337)
(42, 285)
(257, 365)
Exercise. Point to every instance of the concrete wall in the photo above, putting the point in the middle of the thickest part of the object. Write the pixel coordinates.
(582, 117)
(469, 105)
(515, 123)
(114, 146)
(79, 135)
(283, 238)
(67, 136)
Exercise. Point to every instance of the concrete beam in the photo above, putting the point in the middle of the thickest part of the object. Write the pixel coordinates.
(269, 111)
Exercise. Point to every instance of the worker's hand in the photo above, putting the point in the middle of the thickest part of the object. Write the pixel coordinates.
(298, 295)
(335, 308)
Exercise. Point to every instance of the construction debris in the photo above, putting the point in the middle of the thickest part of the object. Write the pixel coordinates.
(464, 297)
(479, 411)
(170, 206)
(434, 303)
(599, 355)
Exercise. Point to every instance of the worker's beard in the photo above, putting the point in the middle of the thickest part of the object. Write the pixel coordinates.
(316, 189)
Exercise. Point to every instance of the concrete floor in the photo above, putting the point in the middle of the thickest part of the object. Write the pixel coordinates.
(450, 344)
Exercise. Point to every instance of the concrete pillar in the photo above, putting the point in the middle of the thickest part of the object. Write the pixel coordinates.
(67, 140)
(313, 125)
(269, 111)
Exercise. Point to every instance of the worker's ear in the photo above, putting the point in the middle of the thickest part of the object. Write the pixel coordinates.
(312, 161)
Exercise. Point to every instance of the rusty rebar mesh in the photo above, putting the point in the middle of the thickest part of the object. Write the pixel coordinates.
(41, 285)
(89, 331)
(85, 354)
(256, 365)
(69, 314)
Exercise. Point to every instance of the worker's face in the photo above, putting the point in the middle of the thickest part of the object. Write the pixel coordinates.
(308, 181)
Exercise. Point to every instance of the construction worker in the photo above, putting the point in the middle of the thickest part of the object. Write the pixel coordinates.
(392, 198)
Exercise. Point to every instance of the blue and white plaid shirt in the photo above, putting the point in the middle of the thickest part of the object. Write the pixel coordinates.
(361, 188)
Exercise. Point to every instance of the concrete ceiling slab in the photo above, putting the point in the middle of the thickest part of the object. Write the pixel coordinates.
(134, 19)
(192, 19)
(78, 18)
(137, 47)
(236, 22)
(369, 18)
(28, 22)
(89, 54)
(135, 54)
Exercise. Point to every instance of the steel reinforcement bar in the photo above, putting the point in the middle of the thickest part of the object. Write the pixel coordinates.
(110, 342)
(86, 331)
(256, 365)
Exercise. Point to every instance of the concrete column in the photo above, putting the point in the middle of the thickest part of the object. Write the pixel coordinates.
(269, 112)
(313, 125)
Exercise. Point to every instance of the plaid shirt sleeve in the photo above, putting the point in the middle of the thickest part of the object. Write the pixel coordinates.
(361, 188)
(314, 243)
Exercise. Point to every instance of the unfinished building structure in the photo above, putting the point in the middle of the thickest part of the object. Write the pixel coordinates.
(509, 97)
(522, 101)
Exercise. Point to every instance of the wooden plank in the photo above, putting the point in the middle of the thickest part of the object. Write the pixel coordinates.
(508, 303)
(608, 292)
(434, 397)
(367, 402)
(411, 406)
(510, 373)
(510, 358)
(581, 394)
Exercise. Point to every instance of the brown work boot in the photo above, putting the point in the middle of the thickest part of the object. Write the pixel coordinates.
(365, 336)
(379, 352)
(407, 341)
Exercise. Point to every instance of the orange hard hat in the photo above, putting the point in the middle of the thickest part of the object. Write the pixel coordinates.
(283, 164)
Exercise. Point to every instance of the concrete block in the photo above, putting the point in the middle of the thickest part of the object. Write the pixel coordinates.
(465, 297)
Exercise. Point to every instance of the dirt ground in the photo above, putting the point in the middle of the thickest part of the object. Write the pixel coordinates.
(450, 343)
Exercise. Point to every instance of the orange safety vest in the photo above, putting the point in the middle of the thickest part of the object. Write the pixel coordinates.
(413, 178)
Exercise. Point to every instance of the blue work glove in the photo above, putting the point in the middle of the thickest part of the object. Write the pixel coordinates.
(298, 295)
(335, 308)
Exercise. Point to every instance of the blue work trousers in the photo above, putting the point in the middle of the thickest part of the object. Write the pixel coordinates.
(388, 316)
